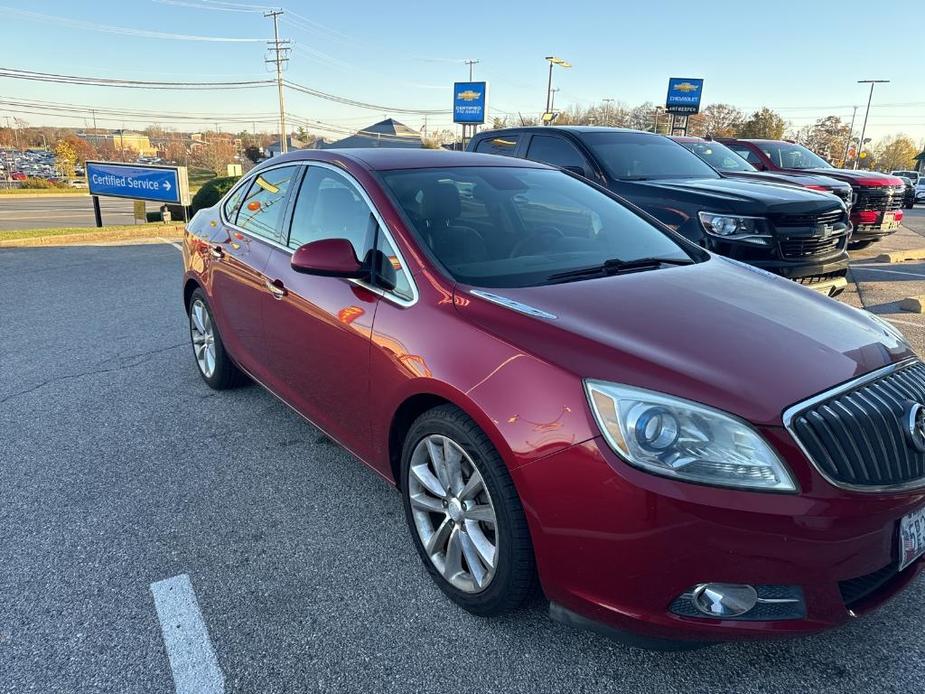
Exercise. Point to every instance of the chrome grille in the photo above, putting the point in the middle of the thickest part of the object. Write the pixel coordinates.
(856, 437)
(883, 199)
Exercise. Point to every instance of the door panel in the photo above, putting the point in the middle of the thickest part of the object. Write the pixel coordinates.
(317, 337)
(238, 294)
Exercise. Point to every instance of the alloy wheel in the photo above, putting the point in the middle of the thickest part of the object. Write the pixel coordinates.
(453, 513)
(203, 337)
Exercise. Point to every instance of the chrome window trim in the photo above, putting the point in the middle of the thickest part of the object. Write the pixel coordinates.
(791, 412)
(391, 296)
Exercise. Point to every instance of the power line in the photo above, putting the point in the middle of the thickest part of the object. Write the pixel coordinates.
(14, 73)
(362, 104)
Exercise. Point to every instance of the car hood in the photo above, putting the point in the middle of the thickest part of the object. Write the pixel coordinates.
(717, 332)
(791, 178)
(745, 197)
(855, 178)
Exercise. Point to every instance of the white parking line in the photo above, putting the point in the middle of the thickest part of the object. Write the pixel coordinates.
(172, 243)
(192, 658)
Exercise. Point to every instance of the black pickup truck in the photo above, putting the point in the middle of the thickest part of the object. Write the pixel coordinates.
(799, 234)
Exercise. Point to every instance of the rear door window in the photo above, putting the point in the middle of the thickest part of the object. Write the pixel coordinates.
(263, 207)
(746, 153)
(556, 151)
(504, 145)
(233, 203)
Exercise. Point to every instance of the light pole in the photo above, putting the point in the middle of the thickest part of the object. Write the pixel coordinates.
(866, 113)
(658, 109)
(553, 60)
(552, 101)
(844, 159)
(608, 107)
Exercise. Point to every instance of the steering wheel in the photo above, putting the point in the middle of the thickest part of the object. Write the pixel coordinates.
(540, 238)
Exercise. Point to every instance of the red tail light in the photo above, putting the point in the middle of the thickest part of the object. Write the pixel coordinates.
(865, 217)
(898, 215)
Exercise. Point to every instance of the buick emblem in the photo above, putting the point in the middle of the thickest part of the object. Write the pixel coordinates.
(915, 425)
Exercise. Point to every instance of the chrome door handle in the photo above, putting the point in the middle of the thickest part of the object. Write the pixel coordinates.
(276, 288)
(216, 252)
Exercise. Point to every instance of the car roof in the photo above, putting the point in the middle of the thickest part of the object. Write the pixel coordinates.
(565, 128)
(387, 158)
(686, 138)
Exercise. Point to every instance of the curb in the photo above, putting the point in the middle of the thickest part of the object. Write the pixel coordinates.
(900, 256)
(913, 304)
(33, 196)
(169, 232)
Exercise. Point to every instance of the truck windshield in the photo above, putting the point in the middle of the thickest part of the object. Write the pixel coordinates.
(718, 156)
(517, 227)
(791, 156)
(641, 156)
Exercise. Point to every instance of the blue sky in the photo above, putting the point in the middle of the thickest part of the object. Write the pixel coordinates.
(800, 62)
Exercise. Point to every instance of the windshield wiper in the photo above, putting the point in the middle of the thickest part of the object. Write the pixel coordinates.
(615, 266)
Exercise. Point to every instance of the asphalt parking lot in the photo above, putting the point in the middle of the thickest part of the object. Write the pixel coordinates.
(71, 210)
(119, 468)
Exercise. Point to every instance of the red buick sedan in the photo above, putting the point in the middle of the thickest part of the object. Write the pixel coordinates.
(672, 446)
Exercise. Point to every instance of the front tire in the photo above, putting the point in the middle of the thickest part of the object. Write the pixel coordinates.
(212, 361)
(464, 515)
(858, 245)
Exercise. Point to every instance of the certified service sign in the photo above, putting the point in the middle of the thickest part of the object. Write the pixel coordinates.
(684, 95)
(469, 102)
(138, 181)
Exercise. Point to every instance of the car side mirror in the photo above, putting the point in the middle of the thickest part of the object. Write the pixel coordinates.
(328, 258)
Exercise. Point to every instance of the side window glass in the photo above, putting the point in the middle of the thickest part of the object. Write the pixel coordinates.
(498, 145)
(556, 151)
(262, 209)
(233, 203)
(749, 155)
(330, 207)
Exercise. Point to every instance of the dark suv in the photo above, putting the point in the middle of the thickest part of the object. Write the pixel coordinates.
(796, 233)
(878, 198)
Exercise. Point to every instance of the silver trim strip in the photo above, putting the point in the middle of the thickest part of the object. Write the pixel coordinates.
(513, 305)
(791, 412)
(394, 298)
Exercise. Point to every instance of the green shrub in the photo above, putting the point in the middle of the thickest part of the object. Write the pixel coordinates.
(211, 192)
(41, 184)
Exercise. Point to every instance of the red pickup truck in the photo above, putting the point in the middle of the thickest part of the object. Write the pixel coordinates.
(876, 209)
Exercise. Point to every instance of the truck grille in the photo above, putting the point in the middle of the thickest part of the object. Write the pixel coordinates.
(833, 216)
(809, 247)
(882, 199)
(856, 437)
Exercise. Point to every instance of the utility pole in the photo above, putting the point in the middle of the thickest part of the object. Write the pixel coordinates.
(465, 128)
(470, 62)
(866, 113)
(844, 159)
(552, 101)
(93, 111)
(281, 50)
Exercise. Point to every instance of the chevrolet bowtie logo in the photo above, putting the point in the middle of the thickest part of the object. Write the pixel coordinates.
(686, 87)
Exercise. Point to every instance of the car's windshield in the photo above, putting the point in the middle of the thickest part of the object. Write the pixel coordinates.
(516, 227)
(638, 156)
(719, 156)
(791, 156)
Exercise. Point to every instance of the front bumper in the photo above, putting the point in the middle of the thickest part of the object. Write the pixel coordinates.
(616, 546)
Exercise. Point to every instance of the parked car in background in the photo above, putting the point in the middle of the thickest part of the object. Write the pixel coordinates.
(877, 198)
(797, 233)
(913, 176)
(908, 193)
(920, 190)
(568, 395)
(732, 165)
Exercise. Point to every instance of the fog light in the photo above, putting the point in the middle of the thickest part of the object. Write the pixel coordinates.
(724, 599)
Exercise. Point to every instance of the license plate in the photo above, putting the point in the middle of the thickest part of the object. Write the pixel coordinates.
(911, 537)
(889, 222)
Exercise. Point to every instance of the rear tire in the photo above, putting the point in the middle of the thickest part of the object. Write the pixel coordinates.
(456, 498)
(212, 361)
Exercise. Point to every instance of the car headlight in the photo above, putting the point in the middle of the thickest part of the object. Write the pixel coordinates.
(681, 439)
(736, 227)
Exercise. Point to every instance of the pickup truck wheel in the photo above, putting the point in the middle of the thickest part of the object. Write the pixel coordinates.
(858, 245)
(465, 517)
